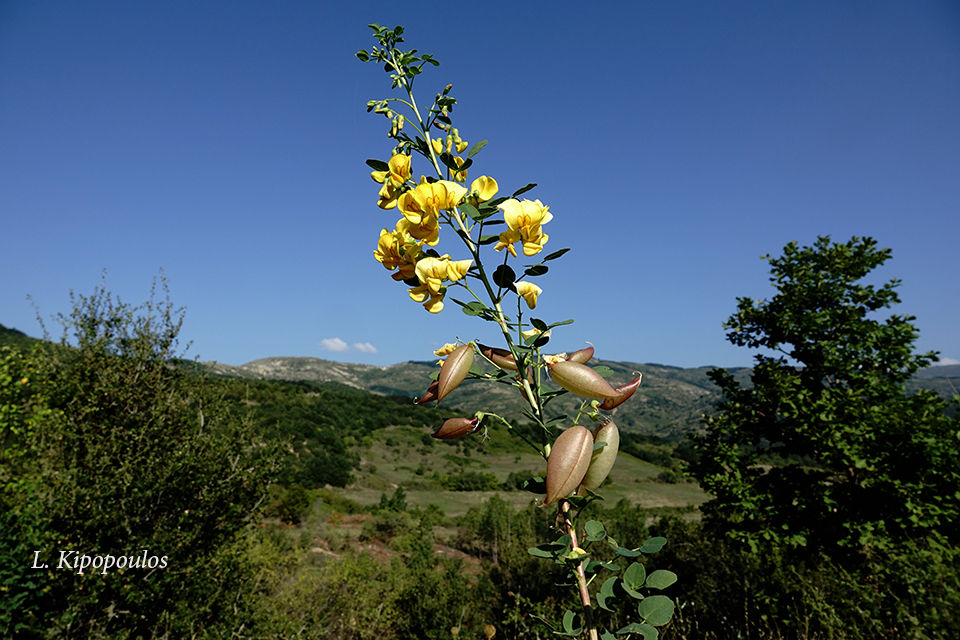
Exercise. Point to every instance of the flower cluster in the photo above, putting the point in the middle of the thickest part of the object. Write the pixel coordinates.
(427, 205)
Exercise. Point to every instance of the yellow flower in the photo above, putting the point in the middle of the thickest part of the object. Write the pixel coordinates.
(429, 198)
(397, 250)
(393, 180)
(484, 188)
(524, 221)
(459, 176)
(437, 145)
(398, 172)
(427, 230)
(432, 273)
(553, 359)
(529, 333)
(446, 349)
(529, 292)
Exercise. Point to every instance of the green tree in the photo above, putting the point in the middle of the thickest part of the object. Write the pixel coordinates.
(826, 450)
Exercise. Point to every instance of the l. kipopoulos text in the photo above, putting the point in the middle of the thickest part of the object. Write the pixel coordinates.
(102, 563)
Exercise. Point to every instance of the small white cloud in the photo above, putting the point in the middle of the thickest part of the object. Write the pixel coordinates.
(365, 347)
(334, 344)
(943, 362)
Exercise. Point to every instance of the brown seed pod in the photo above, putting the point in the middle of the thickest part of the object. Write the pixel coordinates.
(500, 357)
(454, 370)
(455, 428)
(568, 462)
(430, 395)
(624, 392)
(582, 356)
(582, 380)
(602, 459)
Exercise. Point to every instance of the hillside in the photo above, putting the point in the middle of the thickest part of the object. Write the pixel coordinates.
(669, 403)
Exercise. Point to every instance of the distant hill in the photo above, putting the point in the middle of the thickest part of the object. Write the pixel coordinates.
(668, 404)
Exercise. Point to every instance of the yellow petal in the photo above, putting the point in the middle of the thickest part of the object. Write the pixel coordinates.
(457, 269)
(529, 292)
(485, 187)
(446, 349)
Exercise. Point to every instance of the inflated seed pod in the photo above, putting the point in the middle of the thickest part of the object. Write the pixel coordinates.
(624, 392)
(582, 380)
(568, 462)
(456, 428)
(500, 357)
(602, 459)
(454, 370)
(582, 355)
(430, 395)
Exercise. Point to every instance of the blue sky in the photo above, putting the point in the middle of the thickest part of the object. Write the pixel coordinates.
(675, 143)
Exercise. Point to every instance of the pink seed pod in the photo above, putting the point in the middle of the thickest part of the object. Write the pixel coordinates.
(430, 394)
(624, 392)
(568, 462)
(455, 428)
(582, 380)
(582, 356)
(500, 357)
(454, 370)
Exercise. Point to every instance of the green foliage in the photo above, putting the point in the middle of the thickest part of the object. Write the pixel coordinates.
(110, 449)
(826, 449)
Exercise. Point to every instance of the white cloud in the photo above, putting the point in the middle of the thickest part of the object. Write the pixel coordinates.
(365, 347)
(334, 344)
(946, 361)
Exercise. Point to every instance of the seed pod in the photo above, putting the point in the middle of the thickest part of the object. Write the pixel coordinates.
(582, 380)
(454, 370)
(455, 428)
(624, 392)
(500, 357)
(582, 356)
(568, 462)
(602, 459)
(430, 395)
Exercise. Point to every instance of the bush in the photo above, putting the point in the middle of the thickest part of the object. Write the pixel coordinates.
(115, 450)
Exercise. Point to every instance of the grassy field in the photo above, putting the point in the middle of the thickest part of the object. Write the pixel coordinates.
(402, 456)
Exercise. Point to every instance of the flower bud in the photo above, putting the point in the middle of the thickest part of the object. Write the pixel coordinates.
(602, 459)
(455, 428)
(500, 357)
(582, 356)
(454, 370)
(568, 462)
(624, 392)
(582, 380)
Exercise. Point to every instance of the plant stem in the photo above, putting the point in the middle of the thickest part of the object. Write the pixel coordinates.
(581, 576)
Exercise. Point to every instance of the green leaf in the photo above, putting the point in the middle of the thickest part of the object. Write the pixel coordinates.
(606, 635)
(475, 308)
(475, 149)
(607, 592)
(363, 55)
(539, 553)
(538, 324)
(604, 371)
(559, 324)
(568, 617)
(488, 239)
(627, 553)
(536, 484)
(471, 211)
(504, 277)
(661, 579)
(536, 270)
(378, 165)
(594, 531)
(648, 632)
(634, 576)
(524, 189)
(653, 545)
(656, 610)
(555, 255)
